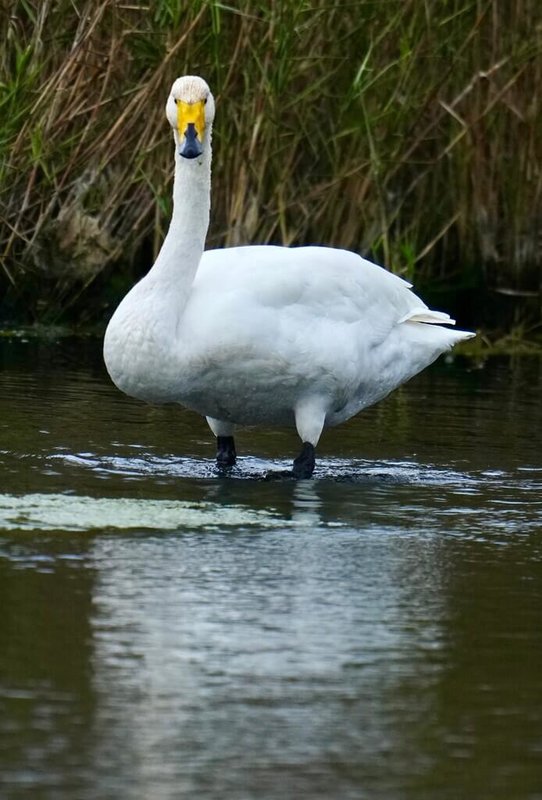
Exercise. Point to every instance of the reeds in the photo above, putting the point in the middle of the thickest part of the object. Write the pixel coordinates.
(407, 130)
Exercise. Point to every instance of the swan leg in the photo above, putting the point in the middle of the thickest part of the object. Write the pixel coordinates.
(225, 444)
(304, 463)
(310, 416)
(225, 451)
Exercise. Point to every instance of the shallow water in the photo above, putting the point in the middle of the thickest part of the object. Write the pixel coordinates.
(167, 632)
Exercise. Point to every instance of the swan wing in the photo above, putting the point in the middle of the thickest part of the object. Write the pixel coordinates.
(326, 283)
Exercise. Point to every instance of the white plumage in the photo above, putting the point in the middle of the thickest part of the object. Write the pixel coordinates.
(262, 335)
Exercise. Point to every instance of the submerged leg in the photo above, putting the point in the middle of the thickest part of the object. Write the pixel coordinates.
(225, 451)
(310, 416)
(304, 463)
(225, 444)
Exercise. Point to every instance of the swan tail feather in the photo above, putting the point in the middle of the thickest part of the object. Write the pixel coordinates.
(423, 318)
(428, 316)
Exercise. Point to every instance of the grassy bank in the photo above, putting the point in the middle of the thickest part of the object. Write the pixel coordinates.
(405, 130)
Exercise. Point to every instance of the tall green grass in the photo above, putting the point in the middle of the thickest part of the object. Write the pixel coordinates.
(407, 130)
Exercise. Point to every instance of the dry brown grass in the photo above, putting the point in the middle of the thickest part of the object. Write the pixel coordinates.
(408, 130)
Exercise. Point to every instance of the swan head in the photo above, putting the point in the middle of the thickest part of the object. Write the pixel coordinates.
(190, 110)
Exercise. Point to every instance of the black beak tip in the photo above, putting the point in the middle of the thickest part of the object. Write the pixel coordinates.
(190, 150)
(191, 146)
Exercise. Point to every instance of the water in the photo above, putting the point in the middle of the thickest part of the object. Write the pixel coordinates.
(169, 633)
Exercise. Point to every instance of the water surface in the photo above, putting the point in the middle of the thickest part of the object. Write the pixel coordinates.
(167, 632)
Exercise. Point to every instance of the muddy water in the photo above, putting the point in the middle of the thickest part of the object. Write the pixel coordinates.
(167, 632)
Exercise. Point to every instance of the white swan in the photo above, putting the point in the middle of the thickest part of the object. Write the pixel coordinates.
(272, 335)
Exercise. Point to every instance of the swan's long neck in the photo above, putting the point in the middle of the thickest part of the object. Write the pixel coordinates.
(179, 257)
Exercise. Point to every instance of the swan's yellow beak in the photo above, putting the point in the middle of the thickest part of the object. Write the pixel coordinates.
(191, 127)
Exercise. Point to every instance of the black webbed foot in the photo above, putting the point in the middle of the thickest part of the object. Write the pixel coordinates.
(304, 463)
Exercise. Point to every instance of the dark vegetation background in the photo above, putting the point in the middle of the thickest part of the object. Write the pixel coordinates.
(407, 130)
